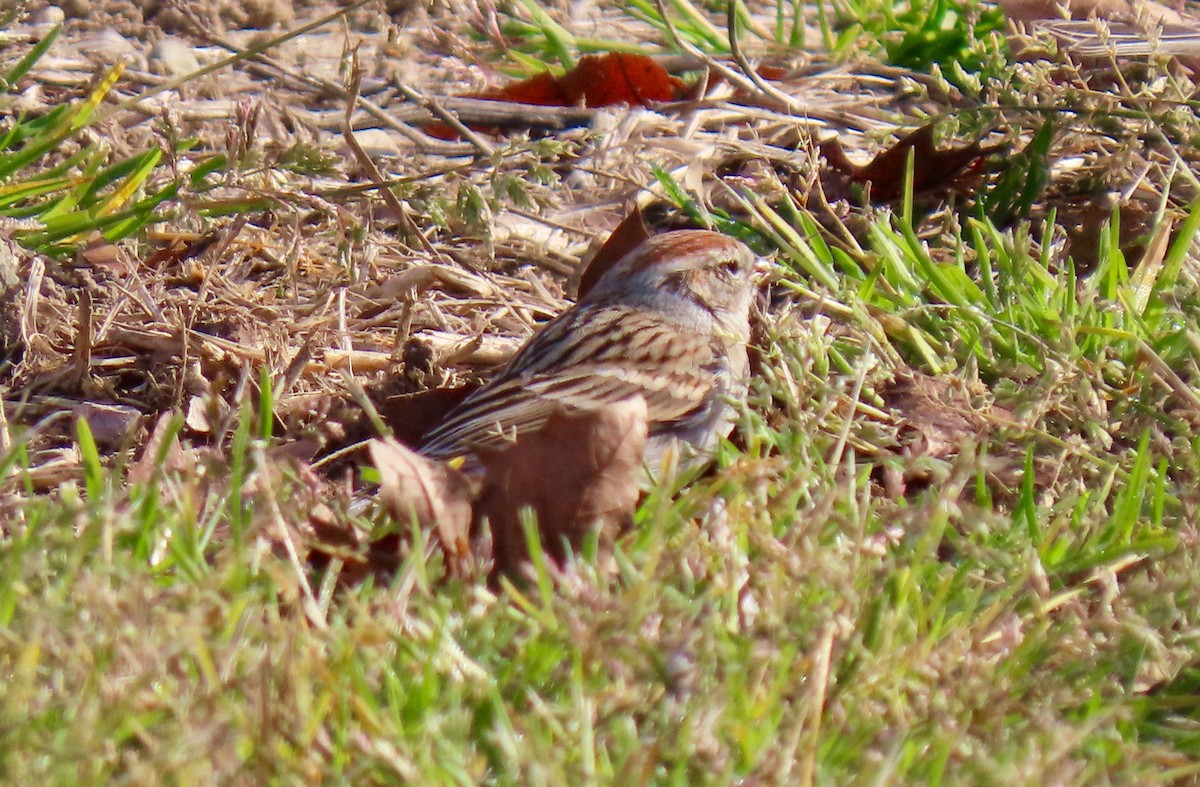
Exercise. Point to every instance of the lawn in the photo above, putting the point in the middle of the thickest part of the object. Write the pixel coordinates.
(952, 538)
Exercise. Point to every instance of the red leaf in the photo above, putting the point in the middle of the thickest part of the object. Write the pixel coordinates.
(596, 81)
(542, 90)
(618, 78)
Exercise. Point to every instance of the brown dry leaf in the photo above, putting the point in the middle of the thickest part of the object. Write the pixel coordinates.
(359, 555)
(176, 458)
(435, 494)
(936, 417)
(933, 169)
(112, 425)
(580, 473)
(411, 415)
(628, 235)
(196, 418)
(99, 254)
(1084, 216)
(936, 421)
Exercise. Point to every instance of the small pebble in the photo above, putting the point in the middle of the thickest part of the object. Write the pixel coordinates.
(48, 16)
(172, 57)
(112, 425)
(78, 9)
(107, 44)
(377, 142)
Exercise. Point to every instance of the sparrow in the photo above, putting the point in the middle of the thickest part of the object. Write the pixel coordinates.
(669, 322)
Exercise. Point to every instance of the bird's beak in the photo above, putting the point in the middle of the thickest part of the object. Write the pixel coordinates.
(762, 266)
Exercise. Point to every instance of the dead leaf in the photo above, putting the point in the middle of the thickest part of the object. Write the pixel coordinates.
(601, 80)
(933, 169)
(175, 458)
(358, 553)
(580, 473)
(595, 81)
(433, 493)
(628, 235)
(619, 78)
(112, 425)
(196, 418)
(410, 416)
(936, 418)
(100, 255)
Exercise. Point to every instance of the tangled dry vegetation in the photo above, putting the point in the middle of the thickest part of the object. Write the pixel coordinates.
(288, 263)
(313, 274)
(980, 348)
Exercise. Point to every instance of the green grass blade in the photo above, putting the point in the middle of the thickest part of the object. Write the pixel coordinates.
(30, 59)
(93, 471)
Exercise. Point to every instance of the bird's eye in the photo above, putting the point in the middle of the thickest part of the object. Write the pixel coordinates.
(730, 268)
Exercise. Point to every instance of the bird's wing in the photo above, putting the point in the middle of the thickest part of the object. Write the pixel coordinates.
(623, 353)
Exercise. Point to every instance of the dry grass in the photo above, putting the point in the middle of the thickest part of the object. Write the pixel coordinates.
(953, 538)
